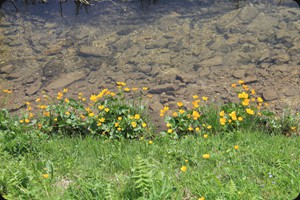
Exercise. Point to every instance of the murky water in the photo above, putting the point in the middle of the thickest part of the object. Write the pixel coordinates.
(178, 48)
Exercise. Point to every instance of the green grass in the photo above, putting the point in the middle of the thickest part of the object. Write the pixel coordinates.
(263, 167)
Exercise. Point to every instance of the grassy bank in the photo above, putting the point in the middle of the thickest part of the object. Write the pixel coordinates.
(104, 147)
(227, 166)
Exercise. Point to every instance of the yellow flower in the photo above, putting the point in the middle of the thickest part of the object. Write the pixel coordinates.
(205, 98)
(222, 113)
(45, 176)
(201, 198)
(253, 99)
(243, 95)
(55, 119)
(91, 114)
(233, 85)
(126, 89)
(106, 109)
(266, 104)
(116, 124)
(197, 129)
(149, 95)
(144, 125)
(29, 108)
(190, 129)
(195, 104)
(246, 87)
(233, 115)
(93, 98)
(137, 116)
(27, 121)
(67, 100)
(186, 161)
(241, 82)
(179, 104)
(67, 113)
(99, 124)
(121, 83)
(83, 99)
(183, 168)
(141, 138)
(181, 111)
(253, 92)
(38, 99)
(240, 119)
(175, 114)
(7, 91)
(260, 100)
(119, 118)
(205, 135)
(145, 88)
(293, 128)
(59, 95)
(134, 89)
(119, 129)
(65, 90)
(30, 115)
(250, 111)
(39, 126)
(222, 121)
(87, 109)
(21, 121)
(102, 119)
(195, 97)
(46, 113)
(101, 107)
(170, 130)
(133, 124)
(196, 115)
(206, 156)
(236, 147)
(245, 102)
(209, 127)
(150, 142)
(82, 116)
(168, 125)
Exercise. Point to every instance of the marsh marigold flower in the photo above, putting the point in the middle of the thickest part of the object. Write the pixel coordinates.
(196, 115)
(205, 98)
(197, 129)
(195, 97)
(145, 88)
(170, 130)
(133, 124)
(181, 111)
(190, 129)
(137, 116)
(126, 89)
(236, 147)
(206, 156)
(179, 104)
(27, 121)
(241, 82)
(59, 95)
(106, 109)
(201, 198)
(240, 119)
(245, 102)
(233, 85)
(222, 121)
(250, 111)
(121, 83)
(183, 168)
(175, 114)
(7, 91)
(150, 142)
(243, 95)
(222, 113)
(38, 99)
(260, 100)
(205, 135)
(45, 176)
(144, 125)
(102, 119)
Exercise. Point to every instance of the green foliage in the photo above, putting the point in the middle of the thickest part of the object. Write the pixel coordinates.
(249, 113)
(142, 176)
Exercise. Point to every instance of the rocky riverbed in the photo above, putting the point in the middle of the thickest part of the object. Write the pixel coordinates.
(176, 56)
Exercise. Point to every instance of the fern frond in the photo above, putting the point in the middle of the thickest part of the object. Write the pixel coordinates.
(142, 176)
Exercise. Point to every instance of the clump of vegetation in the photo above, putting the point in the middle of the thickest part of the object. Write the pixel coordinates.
(106, 114)
(121, 157)
(250, 113)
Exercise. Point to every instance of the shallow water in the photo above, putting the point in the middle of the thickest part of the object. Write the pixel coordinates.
(178, 48)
